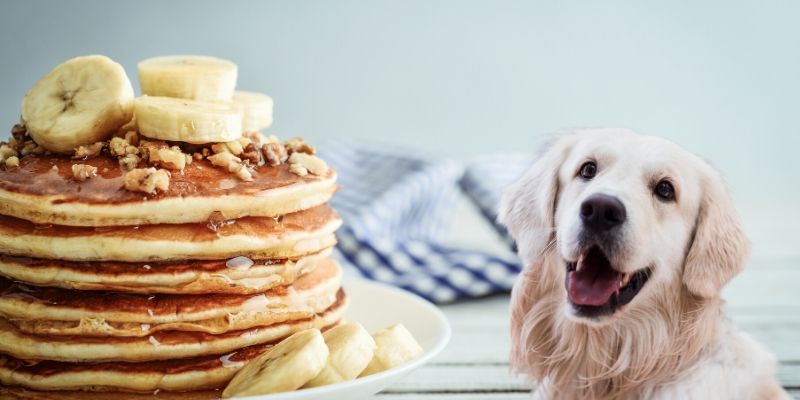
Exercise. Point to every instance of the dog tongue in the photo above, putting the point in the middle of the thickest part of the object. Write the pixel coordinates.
(594, 281)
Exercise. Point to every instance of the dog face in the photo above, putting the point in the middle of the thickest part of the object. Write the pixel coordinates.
(626, 217)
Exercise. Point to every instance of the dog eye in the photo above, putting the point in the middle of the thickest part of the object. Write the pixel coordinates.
(665, 191)
(588, 170)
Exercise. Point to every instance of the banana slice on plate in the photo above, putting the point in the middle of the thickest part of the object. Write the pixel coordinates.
(82, 101)
(285, 367)
(395, 346)
(257, 109)
(190, 121)
(188, 77)
(351, 349)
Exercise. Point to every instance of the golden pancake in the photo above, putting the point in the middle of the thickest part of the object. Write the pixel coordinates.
(304, 232)
(20, 393)
(232, 276)
(42, 190)
(163, 345)
(51, 311)
(195, 373)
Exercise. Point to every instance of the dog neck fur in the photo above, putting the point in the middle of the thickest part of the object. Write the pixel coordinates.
(649, 345)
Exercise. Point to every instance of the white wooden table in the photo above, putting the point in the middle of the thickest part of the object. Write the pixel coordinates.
(764, 300)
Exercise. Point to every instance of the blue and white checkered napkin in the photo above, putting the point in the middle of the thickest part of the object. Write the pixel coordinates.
(398, 204)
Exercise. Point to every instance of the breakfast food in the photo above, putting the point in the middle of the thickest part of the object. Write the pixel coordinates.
(152, 243)
(285, 367)
(395, 346)
(350, 350)
(163, 244)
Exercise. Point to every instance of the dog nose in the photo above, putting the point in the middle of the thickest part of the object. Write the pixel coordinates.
(601, 212)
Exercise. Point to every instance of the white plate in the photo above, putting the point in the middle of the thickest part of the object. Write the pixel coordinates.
(377, 306)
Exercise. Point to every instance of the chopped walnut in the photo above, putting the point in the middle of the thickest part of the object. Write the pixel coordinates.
(298, 145)
(82, 172)
(232, 164)
(298, 169)
(19, 131)
(147, 180)
(252, 155)
(88, 151)
(313, 164)
(274, 153)
(12, 161)
(171, 158)
(7, 151)
(121, 147)
(129, 162)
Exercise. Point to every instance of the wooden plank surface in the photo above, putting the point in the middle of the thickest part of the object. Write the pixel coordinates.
(764, 301)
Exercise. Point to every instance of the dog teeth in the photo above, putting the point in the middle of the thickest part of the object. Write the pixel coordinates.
(625, 279)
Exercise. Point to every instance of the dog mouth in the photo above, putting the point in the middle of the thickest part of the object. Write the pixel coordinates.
(595, 288)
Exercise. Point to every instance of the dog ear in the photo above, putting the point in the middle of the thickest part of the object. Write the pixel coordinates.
(720, 247)
(527, 206)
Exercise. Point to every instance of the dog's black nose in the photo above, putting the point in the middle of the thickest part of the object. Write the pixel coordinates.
(601, 212)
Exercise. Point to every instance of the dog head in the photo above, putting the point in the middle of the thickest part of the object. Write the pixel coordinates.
(626, 217)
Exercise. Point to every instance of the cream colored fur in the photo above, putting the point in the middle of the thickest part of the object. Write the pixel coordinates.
(673, 340)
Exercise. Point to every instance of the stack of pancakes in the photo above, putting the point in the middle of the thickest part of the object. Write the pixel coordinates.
(103, 289)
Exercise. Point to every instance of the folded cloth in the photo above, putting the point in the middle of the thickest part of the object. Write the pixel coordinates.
(398, 204)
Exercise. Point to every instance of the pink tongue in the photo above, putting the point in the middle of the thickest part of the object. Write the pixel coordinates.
(594, 284)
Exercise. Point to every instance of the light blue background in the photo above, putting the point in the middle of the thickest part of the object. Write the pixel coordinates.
(470, 77)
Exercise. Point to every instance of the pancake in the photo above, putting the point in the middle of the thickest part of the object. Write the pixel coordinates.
(304, 232)
(187, 374)
(20, 393)
(51, 311)
(163, 345)
(177, 277)
(42, 190)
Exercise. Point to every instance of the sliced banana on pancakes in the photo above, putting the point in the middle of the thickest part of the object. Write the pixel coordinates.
(188, 77)
(351, 349)
(395, 346)
(189, 121)
(79, 102)
(256, 108)
(285, 367)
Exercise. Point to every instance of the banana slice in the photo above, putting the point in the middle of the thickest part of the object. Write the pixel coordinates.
(287, 366)
(395, 346)
(188, 77)
(351, 349)
(82, 101)
(190, 121)
(257, 110)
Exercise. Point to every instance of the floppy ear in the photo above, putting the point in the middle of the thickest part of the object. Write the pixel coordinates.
(720, 246)
(527, 206)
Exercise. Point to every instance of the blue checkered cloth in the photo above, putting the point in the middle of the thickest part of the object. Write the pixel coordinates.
(397, 204)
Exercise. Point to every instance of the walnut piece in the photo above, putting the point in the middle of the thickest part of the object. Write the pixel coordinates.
(82, 172)
(311, 163)
(274, 153)
(19, 131)
(298, 145)
(12, 161)
(232, 164)
(147, 180)
(171, 158)
(88, 151)
(129, 162)
(298, 169)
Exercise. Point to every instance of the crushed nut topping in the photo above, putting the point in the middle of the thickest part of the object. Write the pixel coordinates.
(298, 169)
(19, 131)
(89, 151)
(274, 154)
(147, 180)
(298, 145)
(312, 164)
(82, 172)
(12, 161)
(232, 164)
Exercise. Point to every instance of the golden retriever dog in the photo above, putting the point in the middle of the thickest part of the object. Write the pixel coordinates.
(627, 242)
